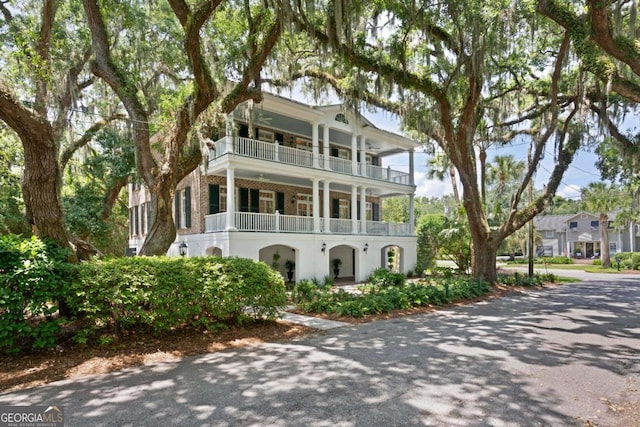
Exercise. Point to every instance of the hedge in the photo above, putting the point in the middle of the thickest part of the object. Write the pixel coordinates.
(156, 293)
(162, 293)
(33, 279)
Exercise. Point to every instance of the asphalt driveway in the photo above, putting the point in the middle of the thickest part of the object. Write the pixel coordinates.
(562, 356)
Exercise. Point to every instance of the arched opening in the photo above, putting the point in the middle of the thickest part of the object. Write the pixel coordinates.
(392, 258)
(282, 259)
(343, 263)
(214, 251)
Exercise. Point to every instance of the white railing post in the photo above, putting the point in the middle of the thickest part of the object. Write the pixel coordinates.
(277, 221)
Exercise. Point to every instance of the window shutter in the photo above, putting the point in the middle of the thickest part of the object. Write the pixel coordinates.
(143, 217)
(187, 207)
(148, 216)
(176, 214)
(214, 199)
(358, 208)
(243, 131)
(244, 200)
(334, 152)
(254, 203)
(335, 208)
(130, 222)
(137, 221)
(280, 138)
(280, 202)
(376, 211)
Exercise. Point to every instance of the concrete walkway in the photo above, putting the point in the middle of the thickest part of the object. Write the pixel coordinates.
(313, 322)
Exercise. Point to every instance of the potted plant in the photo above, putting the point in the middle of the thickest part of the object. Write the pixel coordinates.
(336, 263)
(290, 266)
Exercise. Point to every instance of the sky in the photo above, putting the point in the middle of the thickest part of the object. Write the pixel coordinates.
(580, 173)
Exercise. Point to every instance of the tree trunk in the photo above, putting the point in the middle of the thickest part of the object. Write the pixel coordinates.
(162, 232)
(483, 259)
(483, 175)
(605, 256)
(454, 185)
(41, 186)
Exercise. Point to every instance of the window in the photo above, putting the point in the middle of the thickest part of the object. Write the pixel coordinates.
(340, 117)
(182, 209)
(304, 144)
(344, 208)
(223, 198)
(265, 135)
(610, 225)
(595, 224)
(573, 225)
(305, 204)
(549, 234)
(369, 211)
(343, 153)
(613, 248)
(266, 202)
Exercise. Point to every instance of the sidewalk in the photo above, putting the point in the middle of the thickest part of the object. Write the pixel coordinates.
(312, 322)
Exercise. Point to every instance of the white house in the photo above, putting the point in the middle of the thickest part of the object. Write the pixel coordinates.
(578, 235)
(294, 183)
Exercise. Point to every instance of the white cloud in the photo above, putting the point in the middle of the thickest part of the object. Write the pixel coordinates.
(431, 187)
(571, 191)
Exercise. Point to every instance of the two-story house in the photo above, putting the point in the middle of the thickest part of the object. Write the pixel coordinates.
(578, 235)
(286, 181)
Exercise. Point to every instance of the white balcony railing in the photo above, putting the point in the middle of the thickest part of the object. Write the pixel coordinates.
(292, 156)
(277, 223)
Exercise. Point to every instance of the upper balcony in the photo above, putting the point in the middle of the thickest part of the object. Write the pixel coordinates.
(274, 152)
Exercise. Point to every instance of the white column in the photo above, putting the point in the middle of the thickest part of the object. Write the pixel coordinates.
(411, 167)
(325, 147)
(632, 237)
(316, 205)
(363, 210)
(229, 133)
(412, 214)
(363, 155)
(327, 212)
(314, 144)
(354, 154)
(231, 205)
(354, 211)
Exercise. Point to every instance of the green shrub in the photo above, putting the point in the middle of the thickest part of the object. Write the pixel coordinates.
(32, 282)
(162, 293)
(596, 262)
(382, 299)
(384, 277)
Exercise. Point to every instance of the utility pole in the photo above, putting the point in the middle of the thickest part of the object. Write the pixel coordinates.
(531, 221)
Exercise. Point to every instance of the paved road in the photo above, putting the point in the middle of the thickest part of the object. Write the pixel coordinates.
(562, 356)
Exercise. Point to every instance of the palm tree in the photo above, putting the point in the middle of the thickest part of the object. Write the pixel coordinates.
(503, 170)
(602, 198)
(438, 166)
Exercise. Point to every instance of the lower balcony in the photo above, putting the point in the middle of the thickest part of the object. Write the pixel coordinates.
(277, 223)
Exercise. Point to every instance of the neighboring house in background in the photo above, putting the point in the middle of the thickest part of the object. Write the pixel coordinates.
(578, 235)
(304, 185)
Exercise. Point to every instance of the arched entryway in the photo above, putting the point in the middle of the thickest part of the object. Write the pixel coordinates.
(281, 258)
(214, 251)
(343, 262)
(392, 258)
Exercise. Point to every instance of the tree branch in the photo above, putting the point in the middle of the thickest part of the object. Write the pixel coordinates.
(105, 68)
(86, 137)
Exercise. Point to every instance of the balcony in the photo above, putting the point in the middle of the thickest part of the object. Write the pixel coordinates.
(277, 223)
(274, 152)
